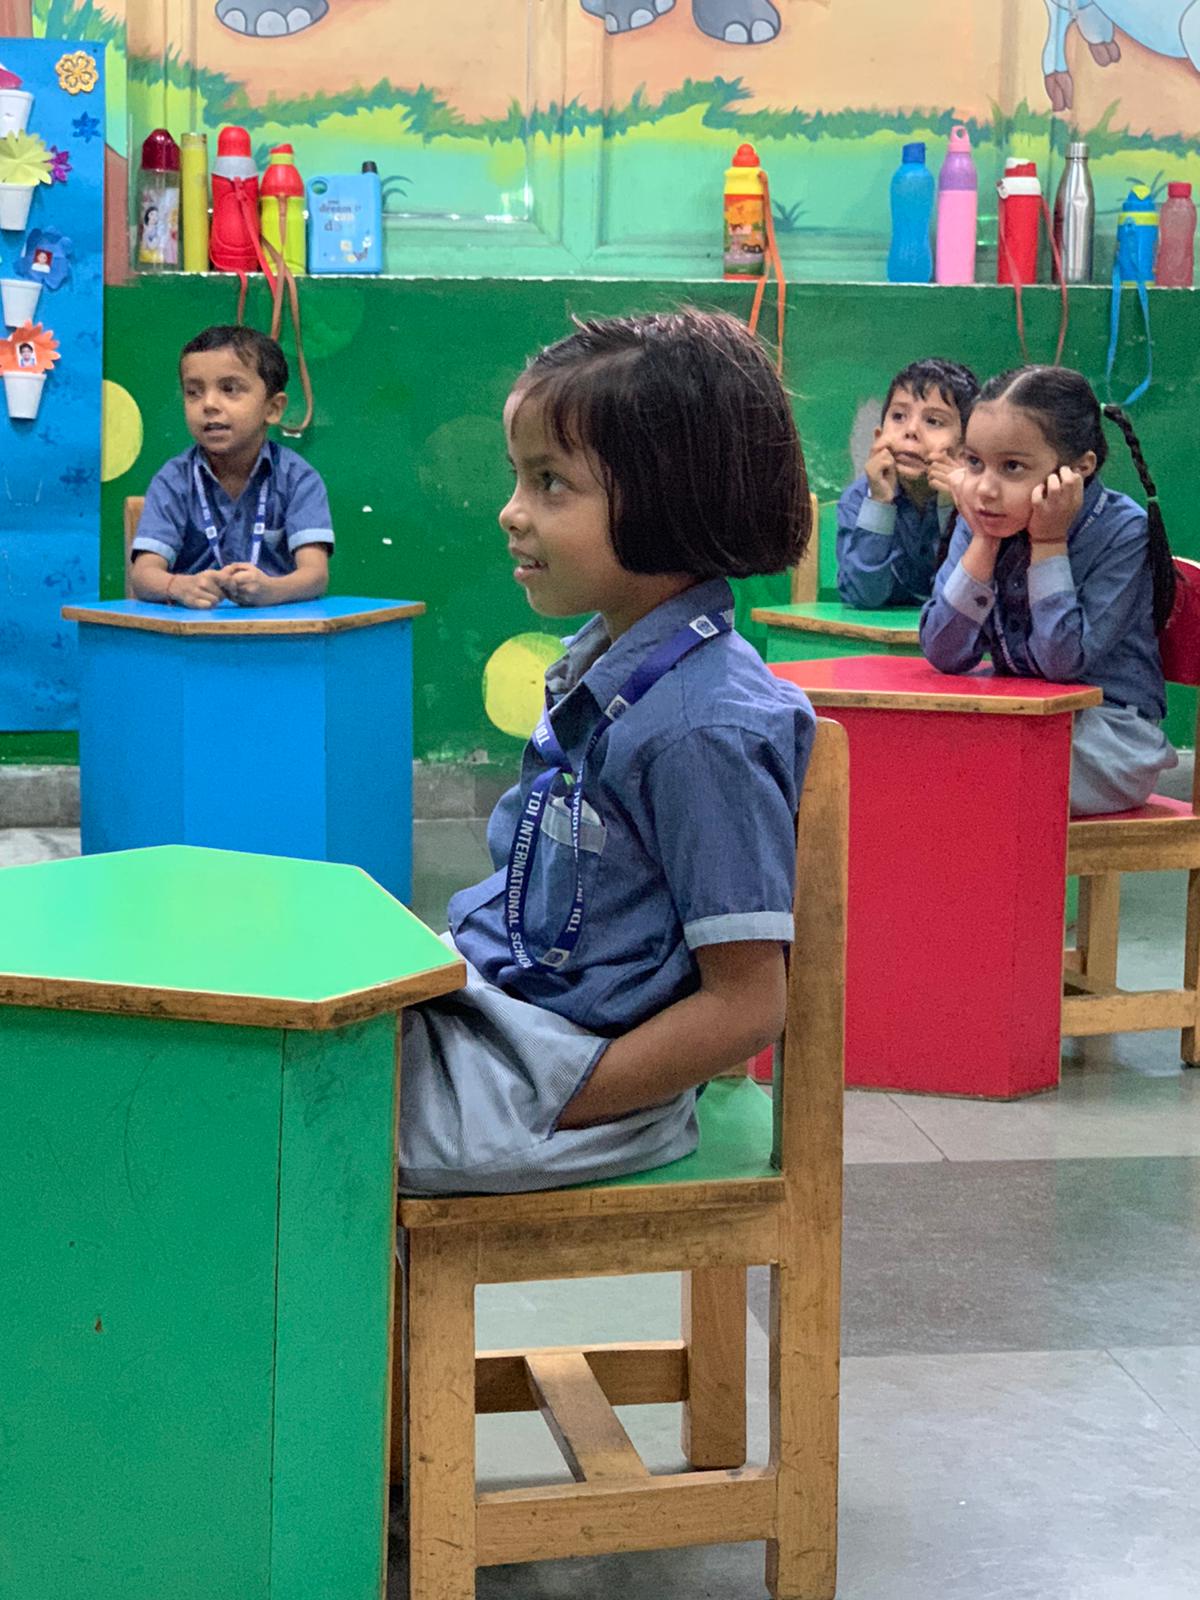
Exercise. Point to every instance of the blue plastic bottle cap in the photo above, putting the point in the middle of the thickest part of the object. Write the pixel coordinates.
(915, 153)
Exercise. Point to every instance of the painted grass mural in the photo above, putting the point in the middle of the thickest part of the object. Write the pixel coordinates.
(520, 136)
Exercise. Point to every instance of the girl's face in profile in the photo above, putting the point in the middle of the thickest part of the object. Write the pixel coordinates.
(1004, 459)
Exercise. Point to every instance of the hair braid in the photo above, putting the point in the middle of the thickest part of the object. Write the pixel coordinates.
(1161, 565)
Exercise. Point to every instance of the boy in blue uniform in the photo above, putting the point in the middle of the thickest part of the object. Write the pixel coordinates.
(894, 521)
(235, 517)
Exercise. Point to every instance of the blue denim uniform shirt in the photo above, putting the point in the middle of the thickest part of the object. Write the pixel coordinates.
(689, 823)
(1086, 617)
(887, 554)
(297, 513)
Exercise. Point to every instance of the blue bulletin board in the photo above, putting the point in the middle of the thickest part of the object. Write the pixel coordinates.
(50, 462)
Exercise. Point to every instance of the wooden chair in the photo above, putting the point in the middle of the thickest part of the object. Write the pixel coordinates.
(711, 1215)
(1161, 836)
(806, 574)
(133, 515)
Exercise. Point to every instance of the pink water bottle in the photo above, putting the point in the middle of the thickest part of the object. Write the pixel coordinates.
(1174, 266)
(957, 209)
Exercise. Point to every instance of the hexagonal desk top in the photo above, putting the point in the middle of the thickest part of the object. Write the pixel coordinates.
(334, 614)
(214, 936)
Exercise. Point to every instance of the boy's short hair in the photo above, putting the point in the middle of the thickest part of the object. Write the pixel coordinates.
(694, 435)
(255, 349)
(957, 385)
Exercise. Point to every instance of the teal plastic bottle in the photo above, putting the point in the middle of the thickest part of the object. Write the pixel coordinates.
(910, 260)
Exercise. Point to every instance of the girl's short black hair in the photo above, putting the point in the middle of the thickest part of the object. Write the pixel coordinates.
(957, 385)
(254, 349)
(1063, 405)
(694, 436)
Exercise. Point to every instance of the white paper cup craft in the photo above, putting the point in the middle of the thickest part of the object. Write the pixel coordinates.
(15, 200)
(15, 103)
(23, 392)
(20, 297)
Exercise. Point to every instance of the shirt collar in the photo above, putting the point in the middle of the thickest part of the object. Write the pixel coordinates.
(603, 668)
(265, 455)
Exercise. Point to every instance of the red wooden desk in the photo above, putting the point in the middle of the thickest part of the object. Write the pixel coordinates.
(958, 847)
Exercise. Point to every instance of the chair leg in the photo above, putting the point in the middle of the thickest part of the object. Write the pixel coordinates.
(396, 1465)
(440, 1371)
(1189, 1039)
(1098, 925)
(805, 1332)
(714, 1330)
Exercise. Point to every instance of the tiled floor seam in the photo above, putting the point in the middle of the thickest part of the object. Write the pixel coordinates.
(1154, 1401)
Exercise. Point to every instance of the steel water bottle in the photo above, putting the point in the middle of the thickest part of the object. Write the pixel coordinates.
(1075, 218)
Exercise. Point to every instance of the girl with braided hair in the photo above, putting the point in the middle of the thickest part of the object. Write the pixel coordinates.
(1057, 577)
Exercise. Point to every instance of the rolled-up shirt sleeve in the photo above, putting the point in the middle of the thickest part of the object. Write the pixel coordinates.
(163, 523)
(308, 519)
(724, 802)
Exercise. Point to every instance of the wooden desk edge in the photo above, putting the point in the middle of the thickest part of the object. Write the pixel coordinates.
(986, 705)
(233, 1010)
(200, 627)
(840, 630)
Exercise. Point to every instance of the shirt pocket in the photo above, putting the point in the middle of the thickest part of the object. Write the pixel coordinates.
(273, 537)
(551, 893)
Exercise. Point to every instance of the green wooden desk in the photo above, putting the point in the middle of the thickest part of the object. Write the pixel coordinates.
(198, 1076)
(819, 629)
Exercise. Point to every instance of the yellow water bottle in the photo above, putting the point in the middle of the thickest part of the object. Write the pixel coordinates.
(281, 207)
(745, 216)
(193, 172)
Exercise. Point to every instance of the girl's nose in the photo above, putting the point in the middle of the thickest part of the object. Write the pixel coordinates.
(512, 518)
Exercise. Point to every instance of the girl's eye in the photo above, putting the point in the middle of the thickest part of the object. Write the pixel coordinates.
(1013, 467)
(973, 462)
(551, 482)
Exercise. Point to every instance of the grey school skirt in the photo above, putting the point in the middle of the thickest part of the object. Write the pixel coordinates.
(1117, 758)
(483, 1080)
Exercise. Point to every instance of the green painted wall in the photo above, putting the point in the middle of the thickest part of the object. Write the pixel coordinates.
(411, 375)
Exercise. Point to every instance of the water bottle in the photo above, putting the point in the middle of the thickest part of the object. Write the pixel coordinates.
(235, 204)
(1018, 223)
(1075, 218)
(193, 167)
(745, 217)
(281, 207)
(1175, 265)
(957, 211)
(1137, 237)
(910, 259)
(158, 202)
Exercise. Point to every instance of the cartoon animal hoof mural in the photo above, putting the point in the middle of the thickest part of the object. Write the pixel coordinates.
(731, 21)
(737, 21)
(1168, 27)
(622, 16)
(268, 19)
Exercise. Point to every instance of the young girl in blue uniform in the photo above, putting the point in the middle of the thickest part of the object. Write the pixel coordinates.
(630, 943)
(1058, 577)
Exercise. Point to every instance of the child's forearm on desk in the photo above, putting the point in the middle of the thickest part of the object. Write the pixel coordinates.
(738, 1011)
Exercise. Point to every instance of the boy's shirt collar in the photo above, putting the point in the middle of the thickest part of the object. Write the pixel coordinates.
(266, 454)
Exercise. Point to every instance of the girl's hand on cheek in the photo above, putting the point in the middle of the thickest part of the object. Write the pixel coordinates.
(1055, 506)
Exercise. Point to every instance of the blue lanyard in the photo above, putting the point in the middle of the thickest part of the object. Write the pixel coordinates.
(525, 841)
(210, 527)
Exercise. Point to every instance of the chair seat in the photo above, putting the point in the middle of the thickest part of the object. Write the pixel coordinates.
(736, 1132)
(1158, 808)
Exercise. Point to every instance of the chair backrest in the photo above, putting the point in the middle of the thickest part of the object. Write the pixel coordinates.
(808, 1101)
(806, 574)
(1179, 641)
(133, 515)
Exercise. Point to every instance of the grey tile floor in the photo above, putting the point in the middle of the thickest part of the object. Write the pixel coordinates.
(1021, 1383)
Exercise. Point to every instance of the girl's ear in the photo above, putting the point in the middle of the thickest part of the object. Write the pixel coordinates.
(1086, 464)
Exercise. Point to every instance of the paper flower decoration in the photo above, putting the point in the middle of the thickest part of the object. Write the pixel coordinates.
(24, 159)
(8, 80)
(77, 72)
(45, 258)
(31, 348)
(86, 128)
(60, 164)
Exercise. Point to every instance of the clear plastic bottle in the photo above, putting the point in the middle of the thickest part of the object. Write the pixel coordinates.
(158, 203)
(910, 259)
(1174, 267)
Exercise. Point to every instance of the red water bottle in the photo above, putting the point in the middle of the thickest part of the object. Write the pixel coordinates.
(232, 244)
(1019, 222)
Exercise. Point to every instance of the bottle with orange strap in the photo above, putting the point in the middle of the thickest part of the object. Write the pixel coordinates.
(281, 207)
(751, 253)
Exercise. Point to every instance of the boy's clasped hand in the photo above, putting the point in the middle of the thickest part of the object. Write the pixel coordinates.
(240, 582)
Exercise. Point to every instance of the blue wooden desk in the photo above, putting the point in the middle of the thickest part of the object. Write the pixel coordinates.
(285, 730)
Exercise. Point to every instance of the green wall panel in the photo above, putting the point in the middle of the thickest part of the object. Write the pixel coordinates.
(411, 375)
